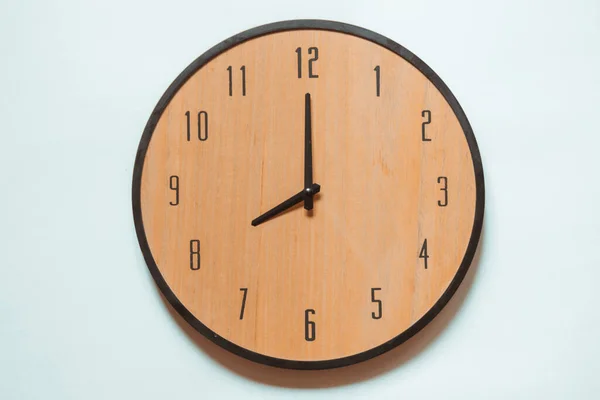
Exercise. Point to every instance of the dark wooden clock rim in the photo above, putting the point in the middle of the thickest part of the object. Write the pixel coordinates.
(308, 25)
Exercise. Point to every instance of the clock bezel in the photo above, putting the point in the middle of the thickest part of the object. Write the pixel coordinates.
(308, 25)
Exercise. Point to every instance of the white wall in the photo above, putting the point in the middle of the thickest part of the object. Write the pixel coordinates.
(80, 317)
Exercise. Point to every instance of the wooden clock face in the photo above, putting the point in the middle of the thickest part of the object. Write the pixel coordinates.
(341, 111)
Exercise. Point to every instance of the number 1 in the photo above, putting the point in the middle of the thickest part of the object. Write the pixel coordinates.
(377, 80)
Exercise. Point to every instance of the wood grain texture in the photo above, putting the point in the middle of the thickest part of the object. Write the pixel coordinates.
(378, 201)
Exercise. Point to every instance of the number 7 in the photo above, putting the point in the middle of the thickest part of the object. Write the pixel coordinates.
(245, 290)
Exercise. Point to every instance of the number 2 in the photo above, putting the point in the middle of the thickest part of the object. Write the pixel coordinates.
(426, 114)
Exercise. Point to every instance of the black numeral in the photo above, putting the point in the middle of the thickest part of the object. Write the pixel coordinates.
(202, 126)
(427, 115)
(377, 80)
(194, 255)
(230, 71)
(174, 185)
(299, 52)
(245, 290)
(230, 80)
(310, 329)
(311, 51)
(379, 305)
(444, 181)
(423, 254)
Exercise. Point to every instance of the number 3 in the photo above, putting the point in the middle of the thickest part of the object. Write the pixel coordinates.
(444, 181)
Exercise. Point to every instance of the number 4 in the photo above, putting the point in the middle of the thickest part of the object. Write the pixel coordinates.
(423, 254)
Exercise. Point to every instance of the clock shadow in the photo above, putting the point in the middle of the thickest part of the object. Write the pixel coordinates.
(393, 359)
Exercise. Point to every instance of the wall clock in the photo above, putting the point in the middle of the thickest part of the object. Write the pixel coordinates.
(308, 194)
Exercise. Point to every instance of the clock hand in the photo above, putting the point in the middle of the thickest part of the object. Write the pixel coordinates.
(292, 201)
(308, 167)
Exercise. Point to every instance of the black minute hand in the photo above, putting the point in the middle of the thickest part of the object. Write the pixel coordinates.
(292, 201)
(308, 167)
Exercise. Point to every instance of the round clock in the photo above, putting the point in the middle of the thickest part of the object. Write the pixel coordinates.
(308, 194)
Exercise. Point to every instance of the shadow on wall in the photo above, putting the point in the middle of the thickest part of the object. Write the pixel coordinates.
(379, 365)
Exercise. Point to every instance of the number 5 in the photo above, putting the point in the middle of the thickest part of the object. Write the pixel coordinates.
(379, 305)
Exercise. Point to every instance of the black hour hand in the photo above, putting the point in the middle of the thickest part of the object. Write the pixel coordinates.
(292, 201)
